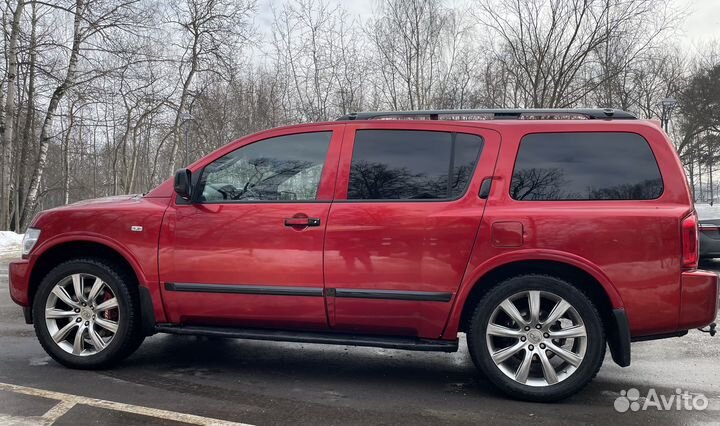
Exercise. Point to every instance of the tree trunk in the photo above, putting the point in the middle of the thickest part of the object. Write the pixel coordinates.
(712, 191)
(701, 195)
(177, 138)
(66, 157)
(130, 177)
(8, 127)
(29, 128)
(691, 172)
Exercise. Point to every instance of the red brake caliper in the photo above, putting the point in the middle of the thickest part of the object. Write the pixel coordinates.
(110, 314)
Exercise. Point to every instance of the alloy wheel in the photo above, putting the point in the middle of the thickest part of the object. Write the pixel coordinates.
(82, 314)
(536, 338)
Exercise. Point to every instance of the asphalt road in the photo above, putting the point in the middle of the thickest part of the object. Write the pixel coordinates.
(181, 380)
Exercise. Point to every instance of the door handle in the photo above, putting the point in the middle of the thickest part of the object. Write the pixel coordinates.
(302, 221)
(485, 188)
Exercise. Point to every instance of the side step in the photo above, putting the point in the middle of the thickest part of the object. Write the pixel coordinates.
(324, 338)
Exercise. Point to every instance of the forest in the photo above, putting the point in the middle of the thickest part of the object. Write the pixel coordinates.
(106, 97)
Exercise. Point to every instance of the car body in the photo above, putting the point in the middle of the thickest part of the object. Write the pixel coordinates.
(374, 256)
(709, 239)
(709, 230)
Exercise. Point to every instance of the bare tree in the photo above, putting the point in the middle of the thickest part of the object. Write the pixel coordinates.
(319, 58)
(94, 91)
(409, 37)
(9, 114)
(92, 19)
(212, 31)
(553, 47)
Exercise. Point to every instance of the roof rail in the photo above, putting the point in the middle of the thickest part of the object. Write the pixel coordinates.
(494, 114)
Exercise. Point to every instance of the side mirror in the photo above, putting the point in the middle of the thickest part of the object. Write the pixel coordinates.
(183, 185)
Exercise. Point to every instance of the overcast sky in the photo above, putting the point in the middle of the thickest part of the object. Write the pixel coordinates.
(703, 21)
(702, 24)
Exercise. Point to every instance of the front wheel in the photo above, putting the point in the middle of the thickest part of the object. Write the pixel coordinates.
(537, 338)
(86, 314)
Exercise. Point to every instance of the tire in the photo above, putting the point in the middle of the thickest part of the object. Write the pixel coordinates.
(98, 346)
(537, 383)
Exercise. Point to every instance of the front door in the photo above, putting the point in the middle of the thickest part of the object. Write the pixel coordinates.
(403, 224)
(249, 250)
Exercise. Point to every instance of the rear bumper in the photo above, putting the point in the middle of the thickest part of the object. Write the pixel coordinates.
(698, 300)
(19, 274)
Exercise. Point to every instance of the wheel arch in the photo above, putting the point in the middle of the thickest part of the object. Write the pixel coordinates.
(53, 252)
(582, 275)
(56, 252)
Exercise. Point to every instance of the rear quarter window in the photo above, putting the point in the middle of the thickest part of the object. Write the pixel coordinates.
(585, 166)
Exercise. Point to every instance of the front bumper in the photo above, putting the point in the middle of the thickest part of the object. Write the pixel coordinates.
(699, 299)
(19, 273)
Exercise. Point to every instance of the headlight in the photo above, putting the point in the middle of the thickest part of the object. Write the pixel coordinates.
(31, 237)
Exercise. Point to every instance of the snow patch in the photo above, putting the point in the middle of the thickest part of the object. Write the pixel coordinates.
(10, 243)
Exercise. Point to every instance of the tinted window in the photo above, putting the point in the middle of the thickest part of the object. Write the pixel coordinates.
(585, 166)
(411, 165)
(286, 168)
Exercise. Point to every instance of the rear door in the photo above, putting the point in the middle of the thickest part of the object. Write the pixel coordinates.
(403, 224)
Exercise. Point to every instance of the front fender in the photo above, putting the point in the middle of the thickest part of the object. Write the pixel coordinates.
(81, 237)
(142, 258)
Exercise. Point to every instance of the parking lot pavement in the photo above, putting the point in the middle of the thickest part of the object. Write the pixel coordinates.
(187, 380)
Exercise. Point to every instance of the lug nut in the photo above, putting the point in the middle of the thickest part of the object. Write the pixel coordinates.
(546, 335)
(527, 328)
(538, 326)
(523, 338)
(84, 304)
(531, 347)
(78, 320)
(87, 323)
(77, 310)
(542, 345)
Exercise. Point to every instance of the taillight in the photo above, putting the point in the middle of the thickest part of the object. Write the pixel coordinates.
(690, 247)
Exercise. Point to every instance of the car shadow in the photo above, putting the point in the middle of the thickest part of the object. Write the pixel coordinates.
(258, 375)
(296, 358)
(204, 360)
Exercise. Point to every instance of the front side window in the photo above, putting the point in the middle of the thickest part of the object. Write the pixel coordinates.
(412, 165)
(285, 168)
(585, 166)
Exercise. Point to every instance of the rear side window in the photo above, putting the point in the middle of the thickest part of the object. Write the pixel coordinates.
(585, 166)
(412, 165)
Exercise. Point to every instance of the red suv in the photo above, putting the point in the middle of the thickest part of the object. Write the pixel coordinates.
(544, 235)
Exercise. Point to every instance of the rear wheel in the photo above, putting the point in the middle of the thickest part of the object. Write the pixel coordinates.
(537, 338)
(86, 314)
